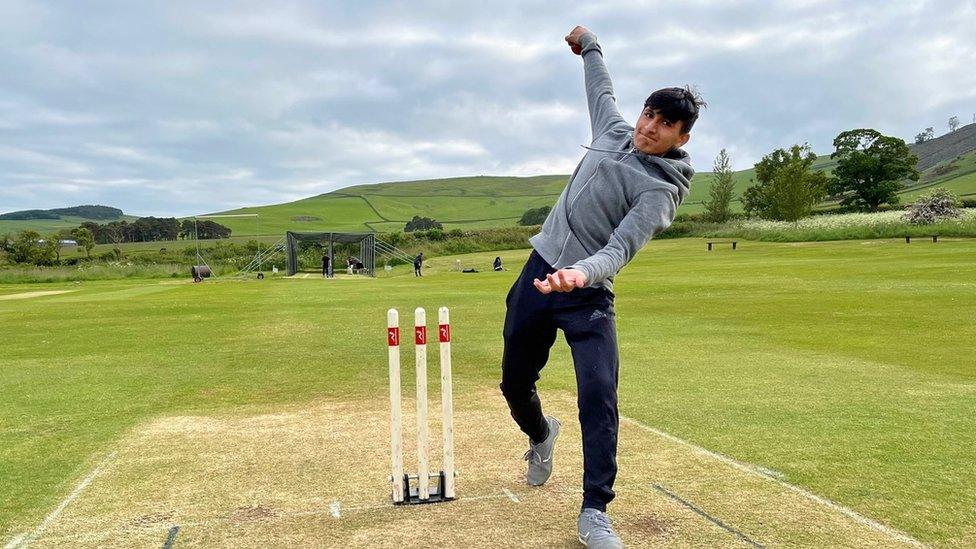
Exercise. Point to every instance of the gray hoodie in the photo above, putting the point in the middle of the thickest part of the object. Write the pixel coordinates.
(618, 197)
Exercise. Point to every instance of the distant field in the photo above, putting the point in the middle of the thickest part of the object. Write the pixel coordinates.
(836, 367)
(47, 226)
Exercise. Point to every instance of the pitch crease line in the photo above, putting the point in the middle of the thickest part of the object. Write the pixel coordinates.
(708, 517)
(25, 541)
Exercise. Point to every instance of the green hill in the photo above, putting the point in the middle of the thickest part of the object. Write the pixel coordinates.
(461, 202)
(53, 220)
(47, 226)
(488, 201)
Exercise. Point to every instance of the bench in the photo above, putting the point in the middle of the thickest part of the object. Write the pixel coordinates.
(733, 242)
(908, 239)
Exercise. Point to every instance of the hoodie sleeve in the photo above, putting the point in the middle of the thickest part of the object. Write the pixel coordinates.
(599, 89)
(652, 213)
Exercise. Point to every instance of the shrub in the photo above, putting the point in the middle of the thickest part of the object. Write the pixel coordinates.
(421, 224)
(939, 204)
(534, 216)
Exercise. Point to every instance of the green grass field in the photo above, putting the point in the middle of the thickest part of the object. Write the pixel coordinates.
(844, 368)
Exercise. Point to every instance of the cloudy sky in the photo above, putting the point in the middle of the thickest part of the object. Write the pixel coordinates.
(174, 108)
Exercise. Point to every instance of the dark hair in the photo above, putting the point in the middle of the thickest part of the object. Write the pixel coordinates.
(677, 104)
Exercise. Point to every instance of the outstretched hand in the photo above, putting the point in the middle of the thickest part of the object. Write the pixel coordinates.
(573, 39)
(563, 280)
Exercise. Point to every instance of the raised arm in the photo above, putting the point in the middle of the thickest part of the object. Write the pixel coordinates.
(599, 89)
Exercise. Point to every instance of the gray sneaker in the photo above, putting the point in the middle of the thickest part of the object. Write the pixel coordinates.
(594, 530)
(540, 455)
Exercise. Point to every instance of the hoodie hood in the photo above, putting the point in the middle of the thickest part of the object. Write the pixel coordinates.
(676, 164)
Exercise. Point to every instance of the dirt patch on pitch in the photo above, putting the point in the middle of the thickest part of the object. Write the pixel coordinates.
(318, 476)
(249, 513)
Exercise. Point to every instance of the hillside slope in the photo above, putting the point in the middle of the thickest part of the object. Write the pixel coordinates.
(57, 219)
(946, 147)
(461, 202)
(486, 201)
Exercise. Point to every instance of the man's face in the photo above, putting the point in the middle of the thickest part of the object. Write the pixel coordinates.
(656, 135)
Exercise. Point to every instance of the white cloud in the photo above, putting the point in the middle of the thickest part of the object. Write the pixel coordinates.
(184, 107)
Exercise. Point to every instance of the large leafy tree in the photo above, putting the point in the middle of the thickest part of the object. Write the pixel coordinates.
(787, 189)
(720, 193)
(869, 168)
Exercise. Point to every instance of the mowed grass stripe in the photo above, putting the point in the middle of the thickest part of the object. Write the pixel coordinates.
(838, 365)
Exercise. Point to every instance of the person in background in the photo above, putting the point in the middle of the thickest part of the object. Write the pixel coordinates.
(418, 263)
(498, 264)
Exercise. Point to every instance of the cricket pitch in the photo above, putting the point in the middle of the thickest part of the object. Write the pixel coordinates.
(317, 476)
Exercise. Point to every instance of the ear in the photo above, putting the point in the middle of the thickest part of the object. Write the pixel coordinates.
(682, 139)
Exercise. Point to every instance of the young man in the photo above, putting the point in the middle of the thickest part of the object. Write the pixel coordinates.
(624, 191)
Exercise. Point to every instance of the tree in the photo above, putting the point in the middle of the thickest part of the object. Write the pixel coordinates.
(787, 189)
(22, 249)
(29, 248)
(6, 245)
(869, 168)
(922, 137)
(207, 229)
(49, 252)
(85, 239)
(117, 231)
(720, 194)
(421, 224)
(56, 241)
(953, 123)
(535, 216)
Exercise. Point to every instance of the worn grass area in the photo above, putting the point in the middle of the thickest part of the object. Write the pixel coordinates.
(7, 296)
(841, 367)
(313, 476)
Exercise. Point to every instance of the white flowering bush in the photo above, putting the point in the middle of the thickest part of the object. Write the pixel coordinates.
(934, 206)
(889, 224)
(814, 222)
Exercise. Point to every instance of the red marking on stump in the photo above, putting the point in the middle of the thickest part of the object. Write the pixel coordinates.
(421, 335)
(393, 336)
(445, 333)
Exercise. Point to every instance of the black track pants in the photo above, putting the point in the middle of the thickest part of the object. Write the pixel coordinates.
(587, 319)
